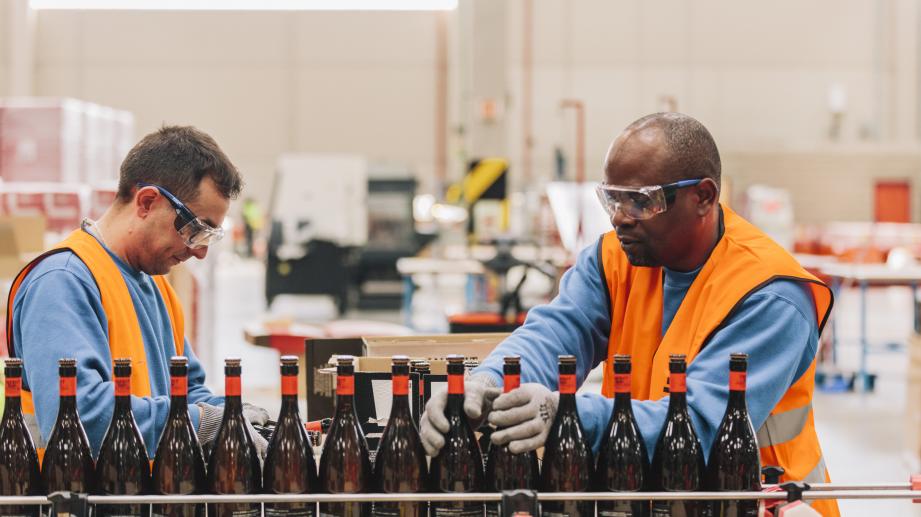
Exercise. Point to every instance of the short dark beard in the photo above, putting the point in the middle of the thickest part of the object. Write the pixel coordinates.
(641, 259)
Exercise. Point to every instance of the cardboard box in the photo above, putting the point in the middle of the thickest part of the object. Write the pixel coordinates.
(432, 347)
(22, 238)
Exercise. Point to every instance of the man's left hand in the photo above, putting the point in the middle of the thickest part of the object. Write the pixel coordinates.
(524, 416)
(255, 414)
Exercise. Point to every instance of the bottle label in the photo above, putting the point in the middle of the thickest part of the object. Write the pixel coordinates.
(677, 383)
(123, 386)
(385, 512)
(511, 382)
(345, 385)
(232, 386)
(400, 385)
(289, 385)
(13, 386)
(179, 386)
(455, 384)
(568, 383)
(68, 386)
(737, 381)
(615, 513)
(247, 512)
(622, 383)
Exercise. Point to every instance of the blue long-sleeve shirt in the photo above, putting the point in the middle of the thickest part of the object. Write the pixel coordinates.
(58, 313)
(775, 326)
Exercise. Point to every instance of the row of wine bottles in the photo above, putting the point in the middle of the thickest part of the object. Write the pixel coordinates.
(123, 467)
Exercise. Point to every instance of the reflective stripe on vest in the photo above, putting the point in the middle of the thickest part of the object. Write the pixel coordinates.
(743, 261)
(124, 332)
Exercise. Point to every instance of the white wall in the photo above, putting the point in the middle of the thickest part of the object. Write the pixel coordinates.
(260, 83)
(757, 74)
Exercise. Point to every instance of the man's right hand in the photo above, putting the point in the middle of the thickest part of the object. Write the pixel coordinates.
(479, 392)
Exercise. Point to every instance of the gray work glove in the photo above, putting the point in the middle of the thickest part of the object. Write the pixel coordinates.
(479, 392)
(524, 417)
(255, 414)
(209, 423)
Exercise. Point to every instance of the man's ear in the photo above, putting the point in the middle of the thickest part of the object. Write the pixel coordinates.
(708, 194)
(144, 199)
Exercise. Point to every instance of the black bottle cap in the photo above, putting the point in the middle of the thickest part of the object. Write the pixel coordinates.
(399, 365)
(738, 362)
(512, 359)
(289, 365)
(455, 364)
(67, 367)
(232, 366)
(677, 364)
(178, 365)
(13, 367)
(122, 367)
(621, 363)
(345, 365)
(512, 365)
(567, 364)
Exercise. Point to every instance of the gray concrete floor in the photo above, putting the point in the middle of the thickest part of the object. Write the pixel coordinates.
(863, 434)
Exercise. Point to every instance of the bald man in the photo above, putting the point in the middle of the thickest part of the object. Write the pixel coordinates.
(680, 274)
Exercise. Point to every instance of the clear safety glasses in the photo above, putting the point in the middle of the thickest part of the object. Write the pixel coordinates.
(640, 202)
(195, 232)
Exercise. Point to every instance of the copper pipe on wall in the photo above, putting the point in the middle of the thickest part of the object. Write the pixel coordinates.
(527, 49)
(579, 106)
(441, 102)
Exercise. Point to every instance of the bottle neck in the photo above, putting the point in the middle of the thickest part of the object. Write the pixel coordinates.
(179, 390)
(737, 390)
(13, 394)
(567, 384)
(68, 395)
(122, 395)
(622, 391)
(400, 392)
(455, 404)
(345, 393)
(288, 393)
(233, 403)
(737, 400)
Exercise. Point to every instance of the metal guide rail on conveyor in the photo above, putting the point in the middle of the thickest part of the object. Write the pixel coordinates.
(76, 504)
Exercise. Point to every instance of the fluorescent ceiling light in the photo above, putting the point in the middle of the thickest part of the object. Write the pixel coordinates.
(247, 5)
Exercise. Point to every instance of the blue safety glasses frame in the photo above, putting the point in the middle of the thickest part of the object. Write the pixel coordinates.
(195, 232)
(640, 202)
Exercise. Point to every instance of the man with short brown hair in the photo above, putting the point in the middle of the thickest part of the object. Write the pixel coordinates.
(100, 294)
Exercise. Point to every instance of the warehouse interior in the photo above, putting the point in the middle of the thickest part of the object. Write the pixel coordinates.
(428, 168)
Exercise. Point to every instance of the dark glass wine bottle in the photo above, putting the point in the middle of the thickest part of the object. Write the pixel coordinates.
(422, 368)
(458, 467)
(344, 464)
(234, 464)
(735, 462)
(505, 470)
(289, 466)
(19, 470)
(123, 467)
(68, 462)
(678, 461)
(179, 466)
(623, 464)
(568, 462)
(400, 465)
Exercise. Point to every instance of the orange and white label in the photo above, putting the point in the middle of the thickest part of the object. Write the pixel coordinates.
(179, 386)
(13, 386)
(345, 385)
(568, 383)
(401, 385)
(68, 386)
(123, 386)
(622, 383)
(677, 383)
(455, 384)
(737, 381)
(511, 382)
(289, 385)
(232, 386)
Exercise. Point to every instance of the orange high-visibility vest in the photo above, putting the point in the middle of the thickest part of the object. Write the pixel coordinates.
(743, 261)
(125, 340)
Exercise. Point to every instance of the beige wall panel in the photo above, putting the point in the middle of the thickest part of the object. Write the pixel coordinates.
(605, 32)
(4, 45)
(364, 38)
(704, 97)
(552, 32)
(59, 80)
(656, 83)
(384, 113)
(58, 38)
(782, 32)
(665, 32)
(243, 108)
(184, 37)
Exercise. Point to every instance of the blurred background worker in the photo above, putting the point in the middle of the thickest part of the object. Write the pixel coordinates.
(680, 274)
(100, 294)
